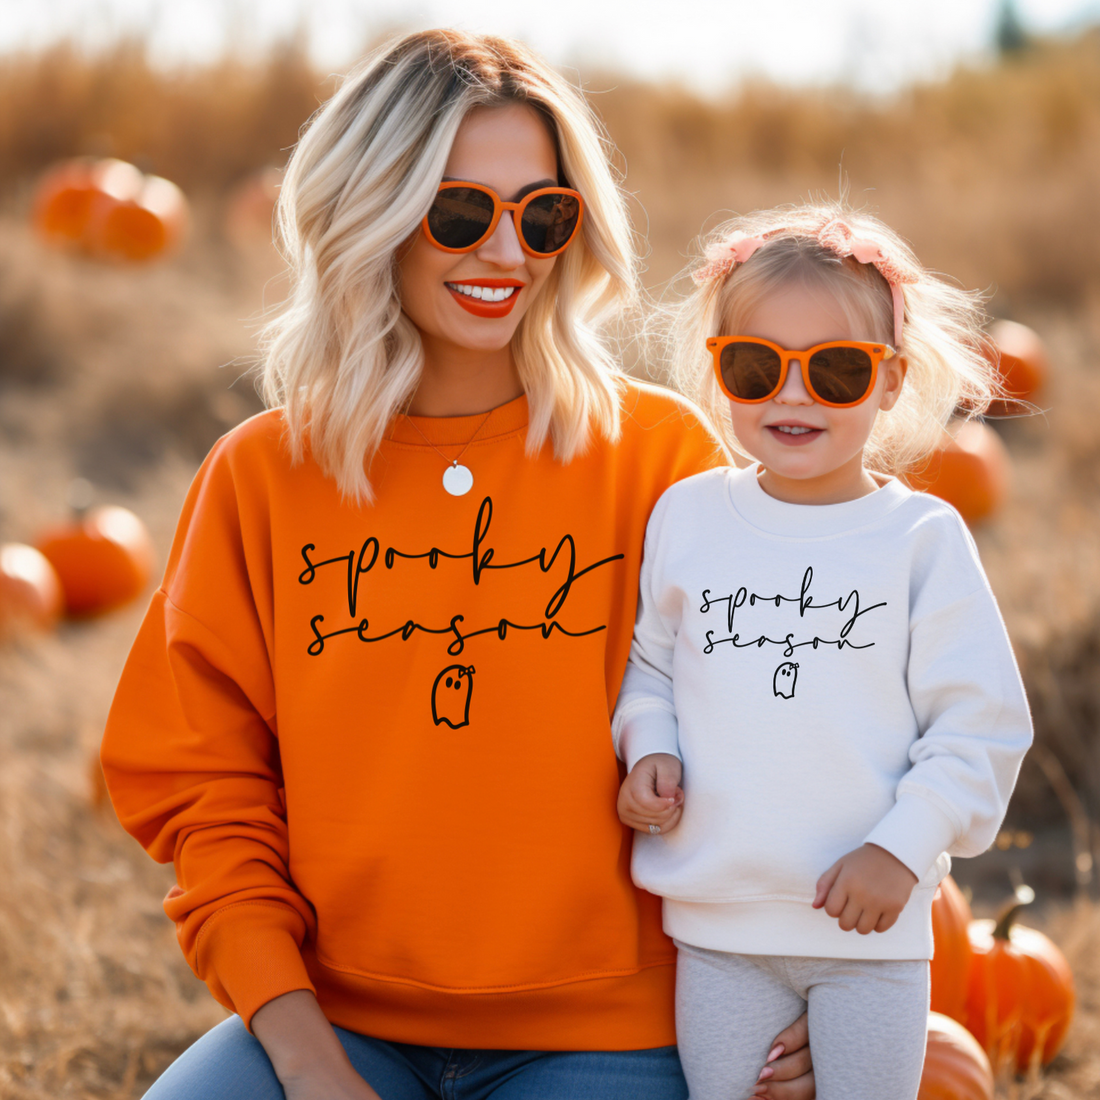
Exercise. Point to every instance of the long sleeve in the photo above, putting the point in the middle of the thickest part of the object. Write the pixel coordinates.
(644, 721)
(191, 755)
(969, 702)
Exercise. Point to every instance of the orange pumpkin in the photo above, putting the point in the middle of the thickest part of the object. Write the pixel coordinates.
(970, 470)
(1021, 996)
(109, 210)
(62, 202)
(144, 225)
(951, 963)
(955, 1066)
(1019, 354)
(30, 592)
(104, 559)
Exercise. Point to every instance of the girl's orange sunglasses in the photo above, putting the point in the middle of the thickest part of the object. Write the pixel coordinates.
(465, 215)
(840, 373)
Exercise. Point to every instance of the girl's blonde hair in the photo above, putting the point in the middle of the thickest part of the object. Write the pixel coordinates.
(942, 337)
(341, 357)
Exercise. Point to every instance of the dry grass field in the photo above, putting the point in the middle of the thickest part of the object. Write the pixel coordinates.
(125, 377)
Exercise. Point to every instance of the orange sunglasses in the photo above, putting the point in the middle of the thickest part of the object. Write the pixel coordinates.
(839, 374)
(465, 215)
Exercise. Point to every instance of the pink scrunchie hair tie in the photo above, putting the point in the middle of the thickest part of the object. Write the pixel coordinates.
(726, 255)
(837, 236)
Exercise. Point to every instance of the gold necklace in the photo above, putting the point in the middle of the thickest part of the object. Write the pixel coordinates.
(457, 479)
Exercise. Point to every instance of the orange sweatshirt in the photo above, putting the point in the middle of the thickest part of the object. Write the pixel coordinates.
(376, 741)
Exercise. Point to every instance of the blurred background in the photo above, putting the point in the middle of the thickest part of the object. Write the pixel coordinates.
(971, 126)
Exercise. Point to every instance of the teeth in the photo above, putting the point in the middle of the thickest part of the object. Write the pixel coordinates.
(485, 293)
(790, 430)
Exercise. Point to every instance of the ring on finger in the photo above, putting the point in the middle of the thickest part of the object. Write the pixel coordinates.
(654, 830)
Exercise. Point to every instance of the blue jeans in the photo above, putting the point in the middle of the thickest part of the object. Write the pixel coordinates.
(228, 1063)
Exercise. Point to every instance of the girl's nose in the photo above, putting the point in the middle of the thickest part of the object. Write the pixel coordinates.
(503, 247)
(794, 390)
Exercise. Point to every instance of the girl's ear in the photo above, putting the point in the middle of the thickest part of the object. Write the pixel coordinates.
(894, 370)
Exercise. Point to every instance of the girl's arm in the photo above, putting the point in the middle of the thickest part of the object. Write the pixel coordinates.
(969, 703)
(644, 722)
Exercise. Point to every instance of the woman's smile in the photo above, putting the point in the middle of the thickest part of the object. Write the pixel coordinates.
(486, 297)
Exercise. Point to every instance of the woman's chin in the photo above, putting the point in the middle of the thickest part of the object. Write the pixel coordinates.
(483, 333)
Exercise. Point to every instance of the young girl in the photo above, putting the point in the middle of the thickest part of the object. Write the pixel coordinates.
(819, 647)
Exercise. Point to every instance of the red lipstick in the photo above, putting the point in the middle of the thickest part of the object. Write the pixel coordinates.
(478, 306)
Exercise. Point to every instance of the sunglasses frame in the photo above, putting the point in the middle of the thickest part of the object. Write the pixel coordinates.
(499, 206)
(877, 353)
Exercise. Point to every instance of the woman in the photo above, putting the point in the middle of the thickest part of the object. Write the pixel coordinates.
(367, 714)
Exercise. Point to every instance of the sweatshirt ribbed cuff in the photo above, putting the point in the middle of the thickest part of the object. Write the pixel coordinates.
(248, 954)
(916, 831)
(648, 731)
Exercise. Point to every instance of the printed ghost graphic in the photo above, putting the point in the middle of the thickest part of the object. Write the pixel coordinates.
(451, 694)
(784, 679)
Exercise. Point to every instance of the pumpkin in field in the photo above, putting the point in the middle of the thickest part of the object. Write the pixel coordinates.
(1021, 997)
(955, 1066)
(63, 201)
(30, 592)
(1019, 354)
(109, 210)
(104, 558)
(970, 470)
(146, 224)
(951, 962)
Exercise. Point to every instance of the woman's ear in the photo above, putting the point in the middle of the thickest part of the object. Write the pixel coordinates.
(895, 370)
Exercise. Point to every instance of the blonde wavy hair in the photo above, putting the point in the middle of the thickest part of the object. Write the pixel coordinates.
(942, 332)
(341, 358)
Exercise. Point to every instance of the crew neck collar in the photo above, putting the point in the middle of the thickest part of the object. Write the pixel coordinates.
(451, 430)
(809, 521)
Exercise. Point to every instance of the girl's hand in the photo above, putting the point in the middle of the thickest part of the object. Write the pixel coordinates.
(865, 890)
(789, 1074)
(651, 794)
(305, 1051)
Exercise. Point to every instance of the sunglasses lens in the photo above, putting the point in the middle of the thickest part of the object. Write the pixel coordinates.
(549, 221)
(841, 376)
(750, 371)
(460, 216)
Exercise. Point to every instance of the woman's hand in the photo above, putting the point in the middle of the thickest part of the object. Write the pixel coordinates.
(323, 1085)
(651, 794)
(789, 1074)
(306, 1053)
(865, 890)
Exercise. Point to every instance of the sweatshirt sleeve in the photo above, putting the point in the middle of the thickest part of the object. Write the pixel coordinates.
(644, 721)
(191, 756)
(970, 706)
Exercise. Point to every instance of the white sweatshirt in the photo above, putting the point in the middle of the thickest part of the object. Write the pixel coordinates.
(830, 675)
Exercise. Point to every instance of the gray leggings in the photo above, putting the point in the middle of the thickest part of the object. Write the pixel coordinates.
(868, 1021)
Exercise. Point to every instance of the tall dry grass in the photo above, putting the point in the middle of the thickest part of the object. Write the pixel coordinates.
(202, 127)
(125, 378)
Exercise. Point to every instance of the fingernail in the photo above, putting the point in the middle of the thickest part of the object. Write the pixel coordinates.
(765, 1073)
(775, 1052)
